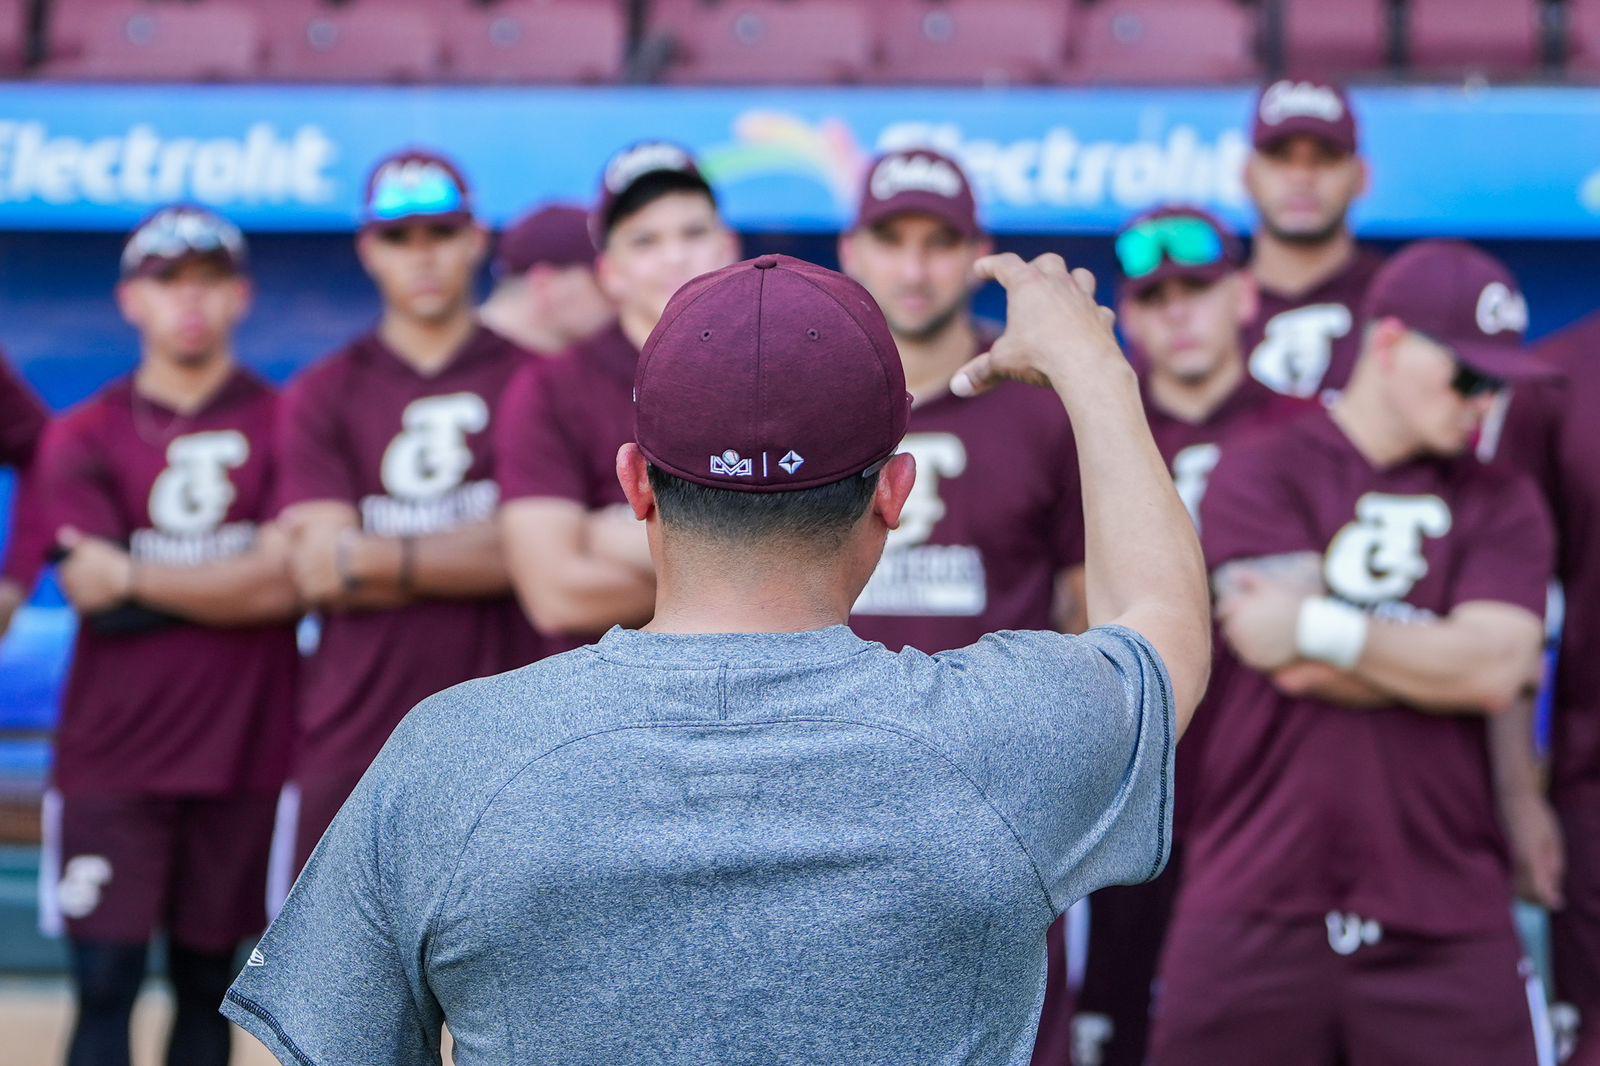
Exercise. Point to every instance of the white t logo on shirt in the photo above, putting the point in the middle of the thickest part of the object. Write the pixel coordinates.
(1378, 557)
(431, 455)
(193, 494)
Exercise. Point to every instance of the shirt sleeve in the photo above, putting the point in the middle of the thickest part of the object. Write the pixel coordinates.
(329, 981)
(22, 418)
(1250, 508)
(313, 454)
(1072, 739)
(1510, 557)
(535, 453)
(74, 484)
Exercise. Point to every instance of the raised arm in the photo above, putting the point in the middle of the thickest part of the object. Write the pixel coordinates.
(1143, 568)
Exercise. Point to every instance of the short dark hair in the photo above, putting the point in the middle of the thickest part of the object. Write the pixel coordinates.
(824, 514)
(650, 188)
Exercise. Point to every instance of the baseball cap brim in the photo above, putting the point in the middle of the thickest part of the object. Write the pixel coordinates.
(1509, 362)
(155, 266)
(1209, 273)
(443, 218)
(1338, 136)
(942, 208)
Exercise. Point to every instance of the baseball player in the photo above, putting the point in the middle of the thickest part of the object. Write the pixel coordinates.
(1184, 297)
(1346, 893)
(576, 556)
(22, 422)
(743, 833)
(389, 490)
(994, 528)
(545, 295)
(177, 720)
(1303, 176)
(1549, 432)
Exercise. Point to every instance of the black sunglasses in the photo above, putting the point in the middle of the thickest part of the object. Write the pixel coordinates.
(1471, 383)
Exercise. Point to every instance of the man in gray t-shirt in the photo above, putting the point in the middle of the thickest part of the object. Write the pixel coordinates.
(742, 834)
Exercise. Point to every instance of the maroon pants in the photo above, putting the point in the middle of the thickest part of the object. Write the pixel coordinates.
(1340, 992)
(117, 869)
(1575, 931)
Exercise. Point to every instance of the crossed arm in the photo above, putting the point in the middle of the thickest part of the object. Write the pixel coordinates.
(577, 571)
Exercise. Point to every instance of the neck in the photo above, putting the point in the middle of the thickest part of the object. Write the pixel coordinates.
(1291, 269)
(182, 387)
(1366, 418)
(636, 327)
(931, 362)
(1194, 401)
(506, 317)
(427, 345)
(770, 591)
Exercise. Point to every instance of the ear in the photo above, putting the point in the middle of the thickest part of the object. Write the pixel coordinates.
(1387, 334)
(480, 244)
(633, 473)
(364, 250)
(731, 245)
(894, 485)
(1249, 296)
(605, 273)
(244, 296)
(128, 302)
(847, 252)
(1252, 164)
(1364, 180)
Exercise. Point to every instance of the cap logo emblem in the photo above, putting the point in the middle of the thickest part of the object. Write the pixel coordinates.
(1500, 310)
(791, 462)
(414, 186)
(633, 163)
(730, 464)
(1300, 99)
(914, 173)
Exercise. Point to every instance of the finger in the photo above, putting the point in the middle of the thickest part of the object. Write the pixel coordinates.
(1108, 318)
(69, 537)
(1007, 268)
(1049, 263)
(1085, 281)
(975, 378)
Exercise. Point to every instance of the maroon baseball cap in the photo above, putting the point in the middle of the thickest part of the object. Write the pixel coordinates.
(631, 165)
(178, 233)
(557, 234)
(1463, 298)
(918, 181)
(1292, 107)
(416, 184)
(767, 376)
(1175, 242)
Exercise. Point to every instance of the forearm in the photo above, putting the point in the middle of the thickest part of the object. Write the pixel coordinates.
(464, 563)
(1329, 683)
(1444, 667)
(1512, 759)
(251, 589)
(582, 595)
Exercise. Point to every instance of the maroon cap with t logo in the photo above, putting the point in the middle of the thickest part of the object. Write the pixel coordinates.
(918, 181)
(767, 376)
(1463, 298)
(1292, 107)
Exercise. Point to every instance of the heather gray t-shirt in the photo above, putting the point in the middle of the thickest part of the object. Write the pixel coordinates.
(724, 849)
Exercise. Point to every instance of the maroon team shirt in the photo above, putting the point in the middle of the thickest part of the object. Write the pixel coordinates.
(179, 709)
(1551, 431)
(414, 455)
(995, 515)
(22, 423)
(1304, 807)
(560, 425)
(1191, 451)
(1309, 343)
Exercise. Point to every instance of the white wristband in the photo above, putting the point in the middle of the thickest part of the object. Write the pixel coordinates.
(1330, 631)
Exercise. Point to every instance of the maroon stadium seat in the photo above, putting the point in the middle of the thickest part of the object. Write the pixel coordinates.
(538, 41)
(1335, 40)
(375, 41)
(1492, 37)
(1583, 37)
(13, 35)
(1166, 42)
(767, 41)
(141, 41)
(973, 41)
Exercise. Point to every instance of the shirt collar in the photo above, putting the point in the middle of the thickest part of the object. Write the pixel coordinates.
(694, 651)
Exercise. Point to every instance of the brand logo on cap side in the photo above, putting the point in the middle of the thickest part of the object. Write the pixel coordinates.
(1300, 99)
(641, 159)
(914, 173)
(792, 461)
(1501, 310)
(730, 464)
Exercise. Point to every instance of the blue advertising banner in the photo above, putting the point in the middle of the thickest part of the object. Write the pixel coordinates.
(1460, 161)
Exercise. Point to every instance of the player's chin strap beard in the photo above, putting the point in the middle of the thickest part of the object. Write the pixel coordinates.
(935, 327)
(1307, 240)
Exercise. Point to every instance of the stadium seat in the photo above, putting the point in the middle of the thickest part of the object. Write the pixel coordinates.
(141, 41)
(1342, 40)
(970, 42)
(1583, 38)
(1160, 42)
(1487, 37)
(14, 16)
(358, 42)
(537, 41)
(767, 41)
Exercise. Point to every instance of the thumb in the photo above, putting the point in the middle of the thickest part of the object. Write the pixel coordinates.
(975, 378)
(69, 537)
